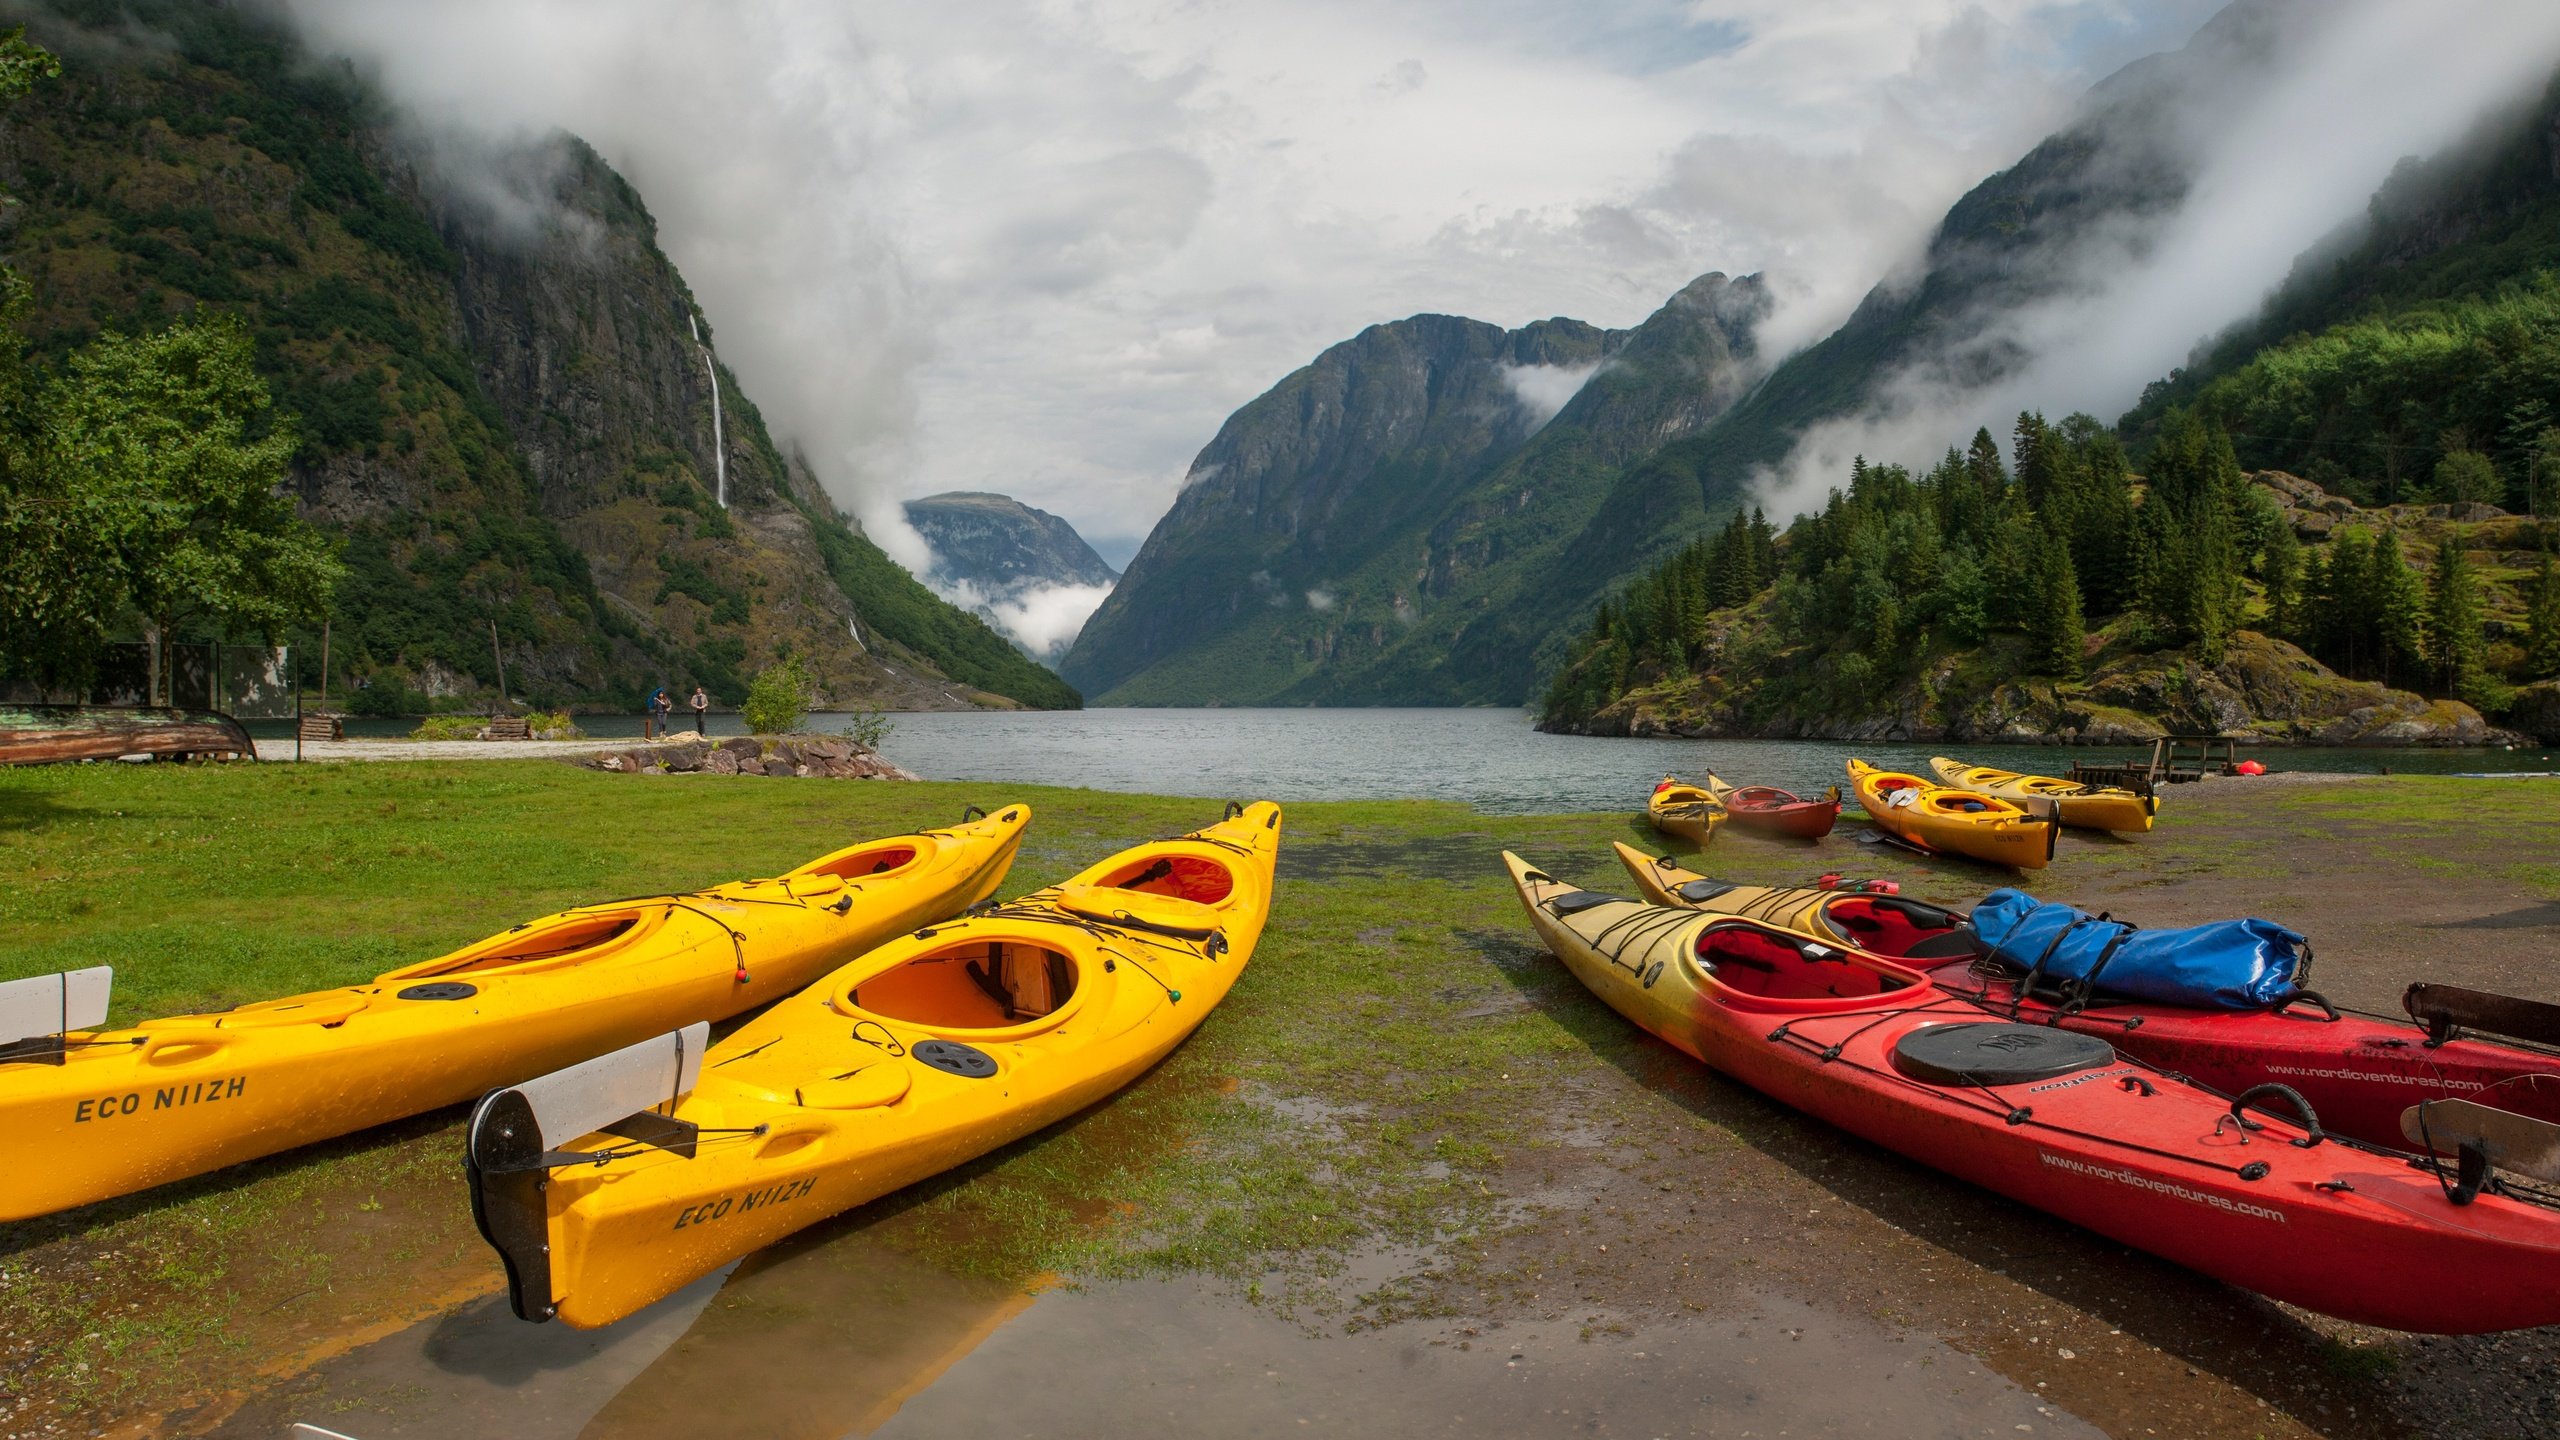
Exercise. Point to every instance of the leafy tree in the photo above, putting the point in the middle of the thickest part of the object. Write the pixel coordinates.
(2453, 640)
(2468, 476)
(162, 433)
(779, 697)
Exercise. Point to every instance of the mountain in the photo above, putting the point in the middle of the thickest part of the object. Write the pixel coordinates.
(1520, 536)
(2383, 404)
(999, 543)
(1025, 571)
(1332, 539)
(504, 390)
(2433, 315)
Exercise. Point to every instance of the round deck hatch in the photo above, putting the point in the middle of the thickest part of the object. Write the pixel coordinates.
(1997, 1054)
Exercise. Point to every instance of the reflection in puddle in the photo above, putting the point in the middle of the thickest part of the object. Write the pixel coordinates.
(823, 1342)
(1188, 1358)
(852, 1338)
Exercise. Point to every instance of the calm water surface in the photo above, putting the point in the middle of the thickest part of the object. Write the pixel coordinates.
(1491, 759)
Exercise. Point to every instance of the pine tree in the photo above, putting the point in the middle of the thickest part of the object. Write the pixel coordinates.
(2056, 633)
(2542, 624)
(2453, 638)
(2399, 607)
(2279, 566)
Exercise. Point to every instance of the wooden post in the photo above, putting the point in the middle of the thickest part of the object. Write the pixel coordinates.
(500, 656)
(324, 672)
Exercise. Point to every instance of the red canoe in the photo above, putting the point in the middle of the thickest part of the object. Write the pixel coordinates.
(1772, 811)
(2361, 1073)
(2059, 1121)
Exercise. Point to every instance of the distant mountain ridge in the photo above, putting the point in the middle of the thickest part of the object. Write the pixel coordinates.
(999, 542)
(1330, 536)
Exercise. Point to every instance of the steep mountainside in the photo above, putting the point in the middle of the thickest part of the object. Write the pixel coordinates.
(2434, 314)
(503, 407)
(1339, 532)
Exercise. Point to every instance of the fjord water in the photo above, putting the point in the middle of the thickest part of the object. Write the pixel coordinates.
(1492, 759)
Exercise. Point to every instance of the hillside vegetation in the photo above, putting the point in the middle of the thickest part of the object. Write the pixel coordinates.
(2072, 599)
(505, 426)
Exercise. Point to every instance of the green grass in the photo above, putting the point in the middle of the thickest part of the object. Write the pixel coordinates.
(1384, 1074)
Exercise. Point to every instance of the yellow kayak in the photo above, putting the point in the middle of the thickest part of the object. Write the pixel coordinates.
(615, 1183)
(1884, 924)
(1684, 811)
(1956, 822)
(2091, 807)
(86, 1114)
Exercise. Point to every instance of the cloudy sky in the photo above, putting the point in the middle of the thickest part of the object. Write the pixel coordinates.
(1045, 248)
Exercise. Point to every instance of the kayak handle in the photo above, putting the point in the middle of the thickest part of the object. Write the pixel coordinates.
(1234, 808)
(2310, 1121)
(2329, 1012)
(966, 811)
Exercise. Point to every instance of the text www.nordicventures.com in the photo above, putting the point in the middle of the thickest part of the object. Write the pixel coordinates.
(2162, 1187)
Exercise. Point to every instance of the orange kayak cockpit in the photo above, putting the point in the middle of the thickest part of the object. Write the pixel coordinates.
(1751, 967)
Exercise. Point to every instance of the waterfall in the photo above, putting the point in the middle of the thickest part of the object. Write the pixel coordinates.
(719, 448)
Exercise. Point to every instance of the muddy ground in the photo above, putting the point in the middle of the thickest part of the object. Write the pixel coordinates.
(1618, 1242)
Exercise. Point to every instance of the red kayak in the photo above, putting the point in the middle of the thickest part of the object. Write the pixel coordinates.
(2360, 1073)
(2058, 1120)
(1769, 810)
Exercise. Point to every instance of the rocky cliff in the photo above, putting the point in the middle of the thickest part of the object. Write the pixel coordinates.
(504, 407)
(1336, 536)
(2263, 687)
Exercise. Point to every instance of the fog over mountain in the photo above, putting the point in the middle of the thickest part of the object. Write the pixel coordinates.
(2286, 152)
(1046, 250)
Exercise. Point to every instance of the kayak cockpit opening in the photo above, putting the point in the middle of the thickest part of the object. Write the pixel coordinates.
(538, 942)
(1772, 966)
(1196, 878)
(863, 862)
(1900, 929)
(978, 985)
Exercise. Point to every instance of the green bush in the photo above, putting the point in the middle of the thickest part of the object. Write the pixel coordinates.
(778, 697)
(450, 727)
(867, 728)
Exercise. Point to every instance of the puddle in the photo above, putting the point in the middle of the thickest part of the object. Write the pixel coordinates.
(1184, 1357)
(855, 1339)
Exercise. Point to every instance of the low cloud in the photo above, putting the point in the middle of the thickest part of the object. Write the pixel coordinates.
(1542, 390)
(1044, 619)
(2281, 162)
(1045, 250)
(1320, 600)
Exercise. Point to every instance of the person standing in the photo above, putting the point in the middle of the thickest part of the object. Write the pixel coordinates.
(654, 713)
(701, 711)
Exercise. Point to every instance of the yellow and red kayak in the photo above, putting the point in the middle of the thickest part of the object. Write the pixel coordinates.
(90, 1113)
(1930, 816)
(1684, 811)
(2091, 807)
(615, 1183)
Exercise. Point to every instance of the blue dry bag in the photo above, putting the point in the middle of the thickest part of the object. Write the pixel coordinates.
(2233, 964)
